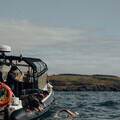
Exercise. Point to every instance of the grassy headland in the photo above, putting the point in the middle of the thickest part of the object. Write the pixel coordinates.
(76, 82)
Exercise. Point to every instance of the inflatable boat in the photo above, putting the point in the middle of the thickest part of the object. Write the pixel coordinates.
(35, 77)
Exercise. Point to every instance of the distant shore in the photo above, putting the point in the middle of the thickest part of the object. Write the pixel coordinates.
(76, 82)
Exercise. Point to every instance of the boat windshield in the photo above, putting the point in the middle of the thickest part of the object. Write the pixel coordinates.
(38, 65)
(33, 68)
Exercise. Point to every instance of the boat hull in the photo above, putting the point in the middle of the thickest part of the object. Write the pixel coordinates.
(31, 114)
(24, 114)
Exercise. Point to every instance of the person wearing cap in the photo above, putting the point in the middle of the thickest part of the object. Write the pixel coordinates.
(1, 79)
(12, 78)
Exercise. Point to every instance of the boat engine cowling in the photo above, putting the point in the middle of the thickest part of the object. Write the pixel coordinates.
(16, 104)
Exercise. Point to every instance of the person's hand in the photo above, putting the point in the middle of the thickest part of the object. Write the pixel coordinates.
(23, 73)
(43, 103)
(62, 110)
(54, 102)
(40, 108)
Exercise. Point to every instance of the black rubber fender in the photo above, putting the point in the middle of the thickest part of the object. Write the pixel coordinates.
(19, 115)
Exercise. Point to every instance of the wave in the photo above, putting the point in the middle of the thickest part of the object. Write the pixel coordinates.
(109, 103)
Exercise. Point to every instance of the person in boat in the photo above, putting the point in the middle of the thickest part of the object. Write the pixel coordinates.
(45, 93)
(71, 114)
(1, 79)
(38, 91)
(33, 101)
(12, 78)
(31, 91)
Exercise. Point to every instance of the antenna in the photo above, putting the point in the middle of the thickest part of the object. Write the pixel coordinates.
(20, 34)
(20, 38)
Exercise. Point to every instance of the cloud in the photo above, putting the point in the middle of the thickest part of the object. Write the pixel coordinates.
(65, 50)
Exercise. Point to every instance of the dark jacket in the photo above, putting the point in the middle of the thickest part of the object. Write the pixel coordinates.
(1, 79)
(11, 80)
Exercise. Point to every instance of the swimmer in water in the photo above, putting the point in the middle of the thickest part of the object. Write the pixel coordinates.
(72, 115)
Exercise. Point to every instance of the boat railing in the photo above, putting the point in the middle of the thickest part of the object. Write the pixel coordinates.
(50, 93)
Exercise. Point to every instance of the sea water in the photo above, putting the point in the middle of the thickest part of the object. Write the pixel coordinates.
(89, 105)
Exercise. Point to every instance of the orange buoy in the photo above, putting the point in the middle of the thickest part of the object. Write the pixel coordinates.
(9, 92)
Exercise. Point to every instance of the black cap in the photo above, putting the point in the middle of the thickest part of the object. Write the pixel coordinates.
(13, 68)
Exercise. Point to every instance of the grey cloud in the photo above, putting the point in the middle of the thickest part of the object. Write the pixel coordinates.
(65, 50)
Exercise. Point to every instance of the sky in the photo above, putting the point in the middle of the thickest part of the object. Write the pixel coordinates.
(71, 36)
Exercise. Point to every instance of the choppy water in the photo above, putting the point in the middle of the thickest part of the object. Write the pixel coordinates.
(89, 105)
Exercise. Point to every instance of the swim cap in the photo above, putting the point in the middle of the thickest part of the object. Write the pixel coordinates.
(77, 113)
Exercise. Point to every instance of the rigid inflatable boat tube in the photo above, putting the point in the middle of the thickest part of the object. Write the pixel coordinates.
(9, 92)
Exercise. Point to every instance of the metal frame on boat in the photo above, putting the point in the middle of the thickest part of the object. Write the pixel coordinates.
(35, 77)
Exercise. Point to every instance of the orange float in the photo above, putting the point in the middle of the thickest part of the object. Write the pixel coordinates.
(9, 94)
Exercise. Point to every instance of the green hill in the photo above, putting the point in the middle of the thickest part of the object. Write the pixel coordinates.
(76, 82)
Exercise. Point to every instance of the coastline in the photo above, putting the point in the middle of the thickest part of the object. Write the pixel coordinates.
(75, 82)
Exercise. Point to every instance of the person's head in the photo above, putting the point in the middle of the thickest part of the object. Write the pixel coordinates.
(41, 97)
(45, 93)
(13, 69)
